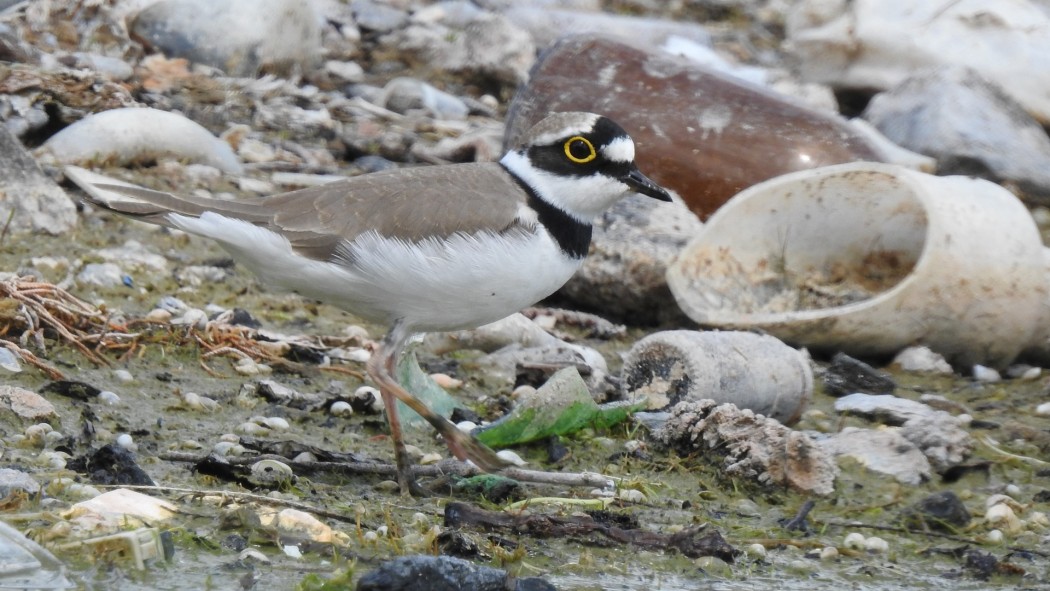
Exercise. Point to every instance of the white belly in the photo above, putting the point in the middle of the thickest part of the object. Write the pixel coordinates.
(434, 285)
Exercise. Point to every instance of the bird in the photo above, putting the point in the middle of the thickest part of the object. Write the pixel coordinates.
(424, 249)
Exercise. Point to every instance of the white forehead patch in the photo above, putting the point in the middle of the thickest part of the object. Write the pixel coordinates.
(620, 149)
(581, 124)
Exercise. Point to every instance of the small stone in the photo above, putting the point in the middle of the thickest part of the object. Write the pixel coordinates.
(276, 423)
(466, 426)
(446, 381)
(101, 275)
(631, 495)
(922, 360)
(1023, 372)
(994, 536)
(829, 553)
(1001, 516)
(108, 398)
(123, 376)
(195, 401)
(1043, 409)
(847, 375)
(127, 442)
(341, 408)
(943, 511)
(854, 541)
(430, 458)
(756, 550)
(876, 545)
(986, 374)
(158, 316)
(511, 457)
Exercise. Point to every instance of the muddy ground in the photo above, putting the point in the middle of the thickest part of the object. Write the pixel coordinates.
(678, 492)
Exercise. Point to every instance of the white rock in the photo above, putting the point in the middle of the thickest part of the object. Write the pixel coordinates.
(922, 360)
(127, 442)
(276, 423)
(466, 426)
(341, 408)
(756, 551)
(876, 545)
(986, 374)
(829, 553)
(854, 541)
(511, 457)
(128, 135)
(1001, 516)
(123, 376)
(108, 398)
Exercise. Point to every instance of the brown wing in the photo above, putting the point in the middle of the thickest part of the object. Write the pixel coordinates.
(407, 203)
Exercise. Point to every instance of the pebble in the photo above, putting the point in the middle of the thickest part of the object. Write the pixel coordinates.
(1002, 517)
(756, 551)
(922, 360)
(9, 360)
(158, 316)
(511, 457)
(1043, 409)
(446, 381)
(430, 458)
(876, 545)
(109, 398)
(276, 423)
(466, 426)
(127, 442)
(631, 495)
(101, 275)
(341, 408)
(829, 553)
(994, 536)
(854, 541)
(123, 376)
(986, 374)
(195, 401)
(271, 472)
(35, 433)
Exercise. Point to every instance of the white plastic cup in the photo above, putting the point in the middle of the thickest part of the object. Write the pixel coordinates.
(752, 371)
(870, 258)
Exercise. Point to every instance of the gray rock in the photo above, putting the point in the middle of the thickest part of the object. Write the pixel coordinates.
(101, 275)
(847, 375)
(943, 511)
(240, 37)
(886, 408)
(12, 480)
(32, 201)
(624, 276)
(940, 438)
(969, 125)
(935, 433)
(443, 573)
(884, 451)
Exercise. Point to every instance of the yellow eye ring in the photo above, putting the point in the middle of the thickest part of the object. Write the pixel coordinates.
(575, 148)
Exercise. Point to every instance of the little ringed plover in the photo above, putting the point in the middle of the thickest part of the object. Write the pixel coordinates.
(433, 248)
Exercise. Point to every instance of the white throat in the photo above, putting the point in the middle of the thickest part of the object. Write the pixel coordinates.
(584, 198)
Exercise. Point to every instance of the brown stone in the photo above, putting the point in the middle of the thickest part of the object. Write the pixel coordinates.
(700, 132)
